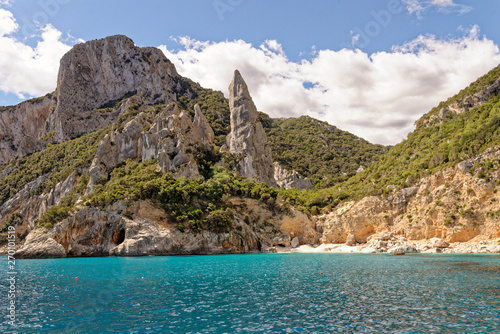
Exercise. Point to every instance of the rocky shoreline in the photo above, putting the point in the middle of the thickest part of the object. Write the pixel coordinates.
(386, 242)
(394, 246)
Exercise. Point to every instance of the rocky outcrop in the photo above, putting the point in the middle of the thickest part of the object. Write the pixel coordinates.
(171, 137)
(247, 137)
(147, 231)
(21, 127)
(461, 105)
(95, 73)
(94, 77)
(32, 207)
(452, 205)
(40, 244)
(286, 180)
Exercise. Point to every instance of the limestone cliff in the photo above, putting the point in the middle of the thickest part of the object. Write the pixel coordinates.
(21, 127)
(247, 136)
(94, 73)
(94, 232)
(452, 204)
(170, 136)
(93, 78)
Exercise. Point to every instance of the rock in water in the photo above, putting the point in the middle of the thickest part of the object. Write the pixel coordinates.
(247, 135)
(93, 74)
(398, 251)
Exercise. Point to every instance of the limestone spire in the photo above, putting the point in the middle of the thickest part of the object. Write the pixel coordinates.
(247, 135)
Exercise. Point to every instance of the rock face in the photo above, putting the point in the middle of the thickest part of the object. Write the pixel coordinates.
(96, 232)
(173, 136)
(93, 77)
(40, 245)
(172, 139)
(247, 136)
(94, 73)
(30, 206)
(287, 180)
(427, 210)
(21, 126)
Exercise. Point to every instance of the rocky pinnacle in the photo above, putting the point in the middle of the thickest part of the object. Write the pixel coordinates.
(247, 135)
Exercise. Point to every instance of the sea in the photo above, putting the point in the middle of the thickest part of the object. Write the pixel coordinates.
(254, 293)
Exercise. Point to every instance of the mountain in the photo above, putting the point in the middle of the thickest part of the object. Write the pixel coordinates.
(320, 151)
(127, 157)
(441, 181)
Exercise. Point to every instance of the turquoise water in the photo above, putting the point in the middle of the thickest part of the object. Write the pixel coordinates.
(260, 293)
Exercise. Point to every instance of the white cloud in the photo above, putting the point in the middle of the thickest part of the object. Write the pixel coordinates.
(26, 70)
(377, 97)
(417, 7)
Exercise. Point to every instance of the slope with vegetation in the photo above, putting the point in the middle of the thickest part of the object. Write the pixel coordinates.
(318, 150)
(431, 147)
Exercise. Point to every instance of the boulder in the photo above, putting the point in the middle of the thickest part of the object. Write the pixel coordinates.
(439, 243)
(351, 240)
(282, 240)
(403, 249)
(384, 236)
(295, 242)
(465, 166)
(398, 251)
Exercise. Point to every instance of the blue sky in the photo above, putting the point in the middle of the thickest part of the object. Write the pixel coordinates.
(299, 39)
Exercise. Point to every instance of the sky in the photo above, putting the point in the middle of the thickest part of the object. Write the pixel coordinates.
(370, 67)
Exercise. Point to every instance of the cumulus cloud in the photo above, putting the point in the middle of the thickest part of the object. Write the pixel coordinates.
(418, 7)
(377, 96)
(25, 70)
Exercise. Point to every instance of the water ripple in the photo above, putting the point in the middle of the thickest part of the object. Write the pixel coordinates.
(273, 293)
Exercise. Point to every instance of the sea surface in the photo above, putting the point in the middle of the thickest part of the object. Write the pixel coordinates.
(257, 293)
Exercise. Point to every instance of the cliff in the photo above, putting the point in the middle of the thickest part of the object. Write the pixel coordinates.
(123, 160)
(93, 78)
(21, 127)
(95, 73)
(247, 136)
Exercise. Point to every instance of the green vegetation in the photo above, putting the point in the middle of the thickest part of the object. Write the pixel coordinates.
(48, 135)
(14, 219)
(63, 210)
(478, 85)
(214, 106)
(424, 152)
(318, 150)
(56, 161)
(326, 155)
(193, 205)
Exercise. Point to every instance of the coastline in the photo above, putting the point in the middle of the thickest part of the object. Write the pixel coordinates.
(410, 247)
(397, 246)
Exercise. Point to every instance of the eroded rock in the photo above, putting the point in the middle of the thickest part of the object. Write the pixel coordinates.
(247, 137)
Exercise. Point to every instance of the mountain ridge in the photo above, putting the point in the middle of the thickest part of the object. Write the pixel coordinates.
(157, 179)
